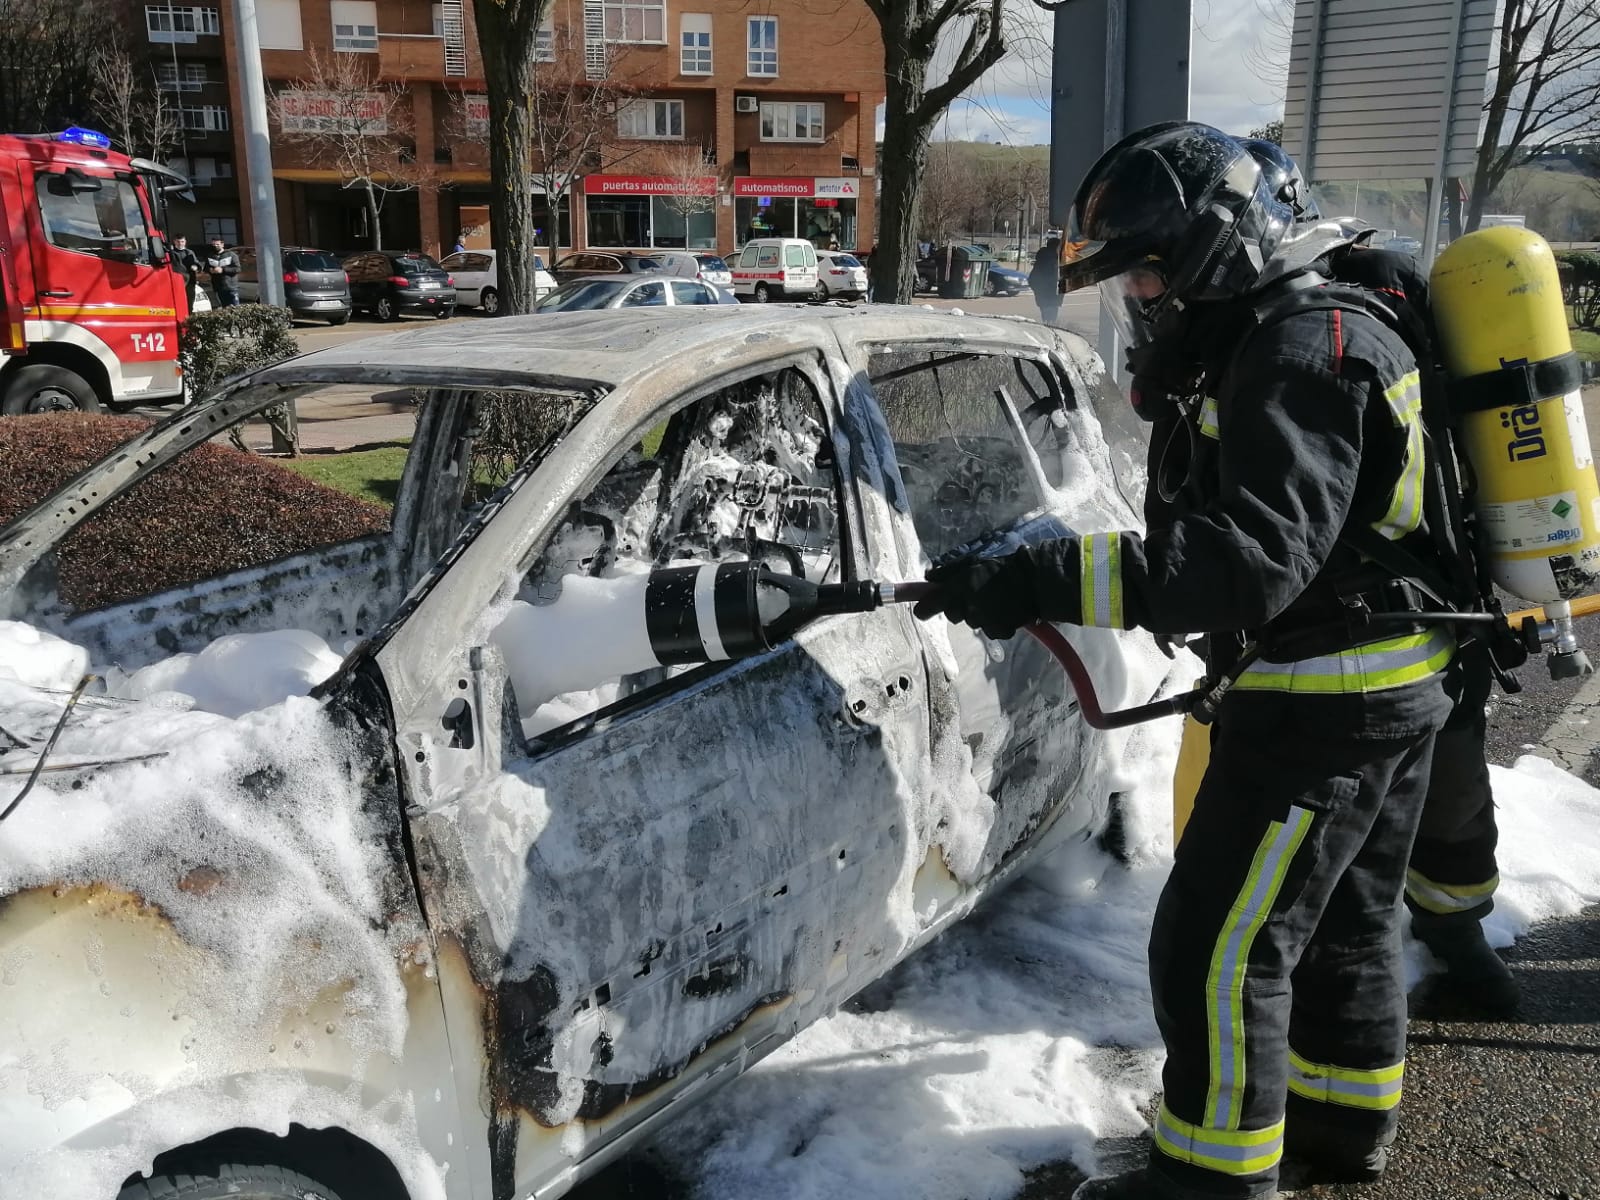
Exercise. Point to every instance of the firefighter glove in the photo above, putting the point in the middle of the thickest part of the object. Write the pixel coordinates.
(992, 593)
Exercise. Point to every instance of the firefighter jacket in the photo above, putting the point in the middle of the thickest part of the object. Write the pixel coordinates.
(1312, 424)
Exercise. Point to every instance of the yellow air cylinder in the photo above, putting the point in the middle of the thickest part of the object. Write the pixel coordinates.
(1502, 332)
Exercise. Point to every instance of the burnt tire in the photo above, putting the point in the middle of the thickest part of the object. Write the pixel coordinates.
(235, 1181)
(43, 388)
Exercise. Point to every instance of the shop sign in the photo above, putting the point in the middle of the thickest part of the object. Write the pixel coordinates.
(838, 189)
(360, 113)
(475, 109)
(648, 185)
(757, 186)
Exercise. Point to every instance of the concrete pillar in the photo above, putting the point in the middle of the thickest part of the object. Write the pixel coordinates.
(867, 156)
(725, 148)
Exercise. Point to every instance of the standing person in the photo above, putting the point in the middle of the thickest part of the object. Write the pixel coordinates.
(1275, 962)
(461, 243)
(222, 265)
(1045, 280)
(1453, 874)
(186, 263)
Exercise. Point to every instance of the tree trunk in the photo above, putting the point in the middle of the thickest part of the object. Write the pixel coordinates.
(506, 33)
(1484, 176)
(373, 215)
(901, 167)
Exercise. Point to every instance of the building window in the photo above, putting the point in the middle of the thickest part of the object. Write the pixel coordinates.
(355, 26)
(278, 24)
(225, 228)
(791, 122)
(181, 77)
(694, 39)
(205, 118)
(763, 46)
(635, 20)
(651, 119)
(544, 41)
(170, 23)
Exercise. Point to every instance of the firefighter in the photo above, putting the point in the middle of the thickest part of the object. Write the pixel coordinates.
(1275, 958)
(1451, 881)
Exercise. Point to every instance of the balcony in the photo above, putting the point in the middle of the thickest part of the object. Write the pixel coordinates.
(405, 57)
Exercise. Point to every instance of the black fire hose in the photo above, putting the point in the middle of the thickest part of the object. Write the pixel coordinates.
(1201, 702)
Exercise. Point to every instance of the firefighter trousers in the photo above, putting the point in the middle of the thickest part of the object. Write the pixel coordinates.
(1275, 959)
(1453, 874)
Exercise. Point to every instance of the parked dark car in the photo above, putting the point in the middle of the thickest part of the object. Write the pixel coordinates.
(387, 283)
(576, 266)
(314, 283)
(1003, 281)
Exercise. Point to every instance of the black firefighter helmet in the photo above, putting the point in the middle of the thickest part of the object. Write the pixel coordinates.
(1173, 215)
(1284, 177)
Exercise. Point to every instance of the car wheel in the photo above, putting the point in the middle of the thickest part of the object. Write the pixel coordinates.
(822, 291)
(43, 388)
(341, 319)
(235, 1181)
(761, 295)
(489, 302)
(386, 310)
(444, 314)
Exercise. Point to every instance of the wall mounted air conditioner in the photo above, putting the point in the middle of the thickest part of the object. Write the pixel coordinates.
(748, 104)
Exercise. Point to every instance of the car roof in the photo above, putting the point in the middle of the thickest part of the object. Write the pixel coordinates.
(613, 346)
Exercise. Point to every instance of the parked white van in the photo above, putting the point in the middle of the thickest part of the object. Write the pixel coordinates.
(776, 269)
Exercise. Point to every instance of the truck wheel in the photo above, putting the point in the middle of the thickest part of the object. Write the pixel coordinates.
(235, 1181)
(43, 388)
(489, 301)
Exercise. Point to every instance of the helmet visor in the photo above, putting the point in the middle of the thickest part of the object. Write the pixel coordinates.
(1132, 299)
(1086, 262)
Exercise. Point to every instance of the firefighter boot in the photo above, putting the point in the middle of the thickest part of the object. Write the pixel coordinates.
(1315, 1153)
(1474, 974)
(1142, 1184)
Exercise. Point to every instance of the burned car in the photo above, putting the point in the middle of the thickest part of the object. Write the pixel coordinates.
(497, 898)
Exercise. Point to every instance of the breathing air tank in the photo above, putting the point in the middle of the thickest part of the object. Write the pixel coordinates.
(1502, 333)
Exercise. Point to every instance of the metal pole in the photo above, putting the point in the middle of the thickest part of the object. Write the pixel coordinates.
(258, 152)
(1308, 166)
(1441, 158)
(1115, 118)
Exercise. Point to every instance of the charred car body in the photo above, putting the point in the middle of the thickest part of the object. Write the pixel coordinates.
(481, 919)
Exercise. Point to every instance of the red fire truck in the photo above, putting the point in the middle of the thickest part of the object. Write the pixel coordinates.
(91, 307)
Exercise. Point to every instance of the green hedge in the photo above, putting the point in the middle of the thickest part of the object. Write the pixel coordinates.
(225, 342)
(1580, 285)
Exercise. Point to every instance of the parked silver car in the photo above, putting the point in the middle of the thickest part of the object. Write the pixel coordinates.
(630, 291)
(482, 912)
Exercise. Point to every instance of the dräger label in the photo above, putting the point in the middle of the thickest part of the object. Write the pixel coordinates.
(1542, 524)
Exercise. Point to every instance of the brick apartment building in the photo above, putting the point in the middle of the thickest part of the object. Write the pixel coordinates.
(782, 97)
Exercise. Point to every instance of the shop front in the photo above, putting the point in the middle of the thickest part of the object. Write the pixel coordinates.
(651, 212)
(821, 210)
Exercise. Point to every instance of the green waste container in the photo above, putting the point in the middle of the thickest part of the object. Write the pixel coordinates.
(967, 275)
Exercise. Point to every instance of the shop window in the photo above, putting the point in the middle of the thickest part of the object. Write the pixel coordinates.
(695, 44)
(656, 119)
(635, 20)
(763, 46)
(792, 122)
(355, 26)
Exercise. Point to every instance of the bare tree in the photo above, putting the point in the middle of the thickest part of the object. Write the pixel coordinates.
(692, 175)
(508, 36)
(912, 31)
(1545, 89)
(572, 108)
(132, 108)
(947, 185)
(47, 55)
(345, 121)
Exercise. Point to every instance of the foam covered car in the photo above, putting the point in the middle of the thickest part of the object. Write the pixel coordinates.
(494, 901)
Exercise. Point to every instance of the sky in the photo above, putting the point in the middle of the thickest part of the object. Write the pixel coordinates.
(1011, 105)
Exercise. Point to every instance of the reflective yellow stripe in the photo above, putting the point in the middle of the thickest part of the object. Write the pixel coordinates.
(1230, 1152)
(1100, 580)
(1377, 1089)
(103, 310)
(1225, 981)
(1448, 897)
(1391, 663)
(1208, 419)
(1404, 514)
